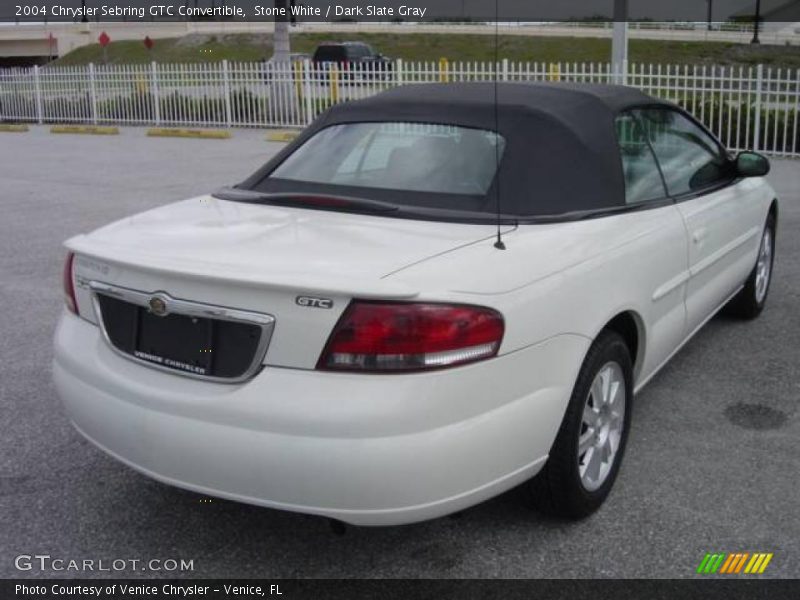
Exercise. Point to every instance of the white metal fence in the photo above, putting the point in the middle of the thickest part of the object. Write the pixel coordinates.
(747, 107)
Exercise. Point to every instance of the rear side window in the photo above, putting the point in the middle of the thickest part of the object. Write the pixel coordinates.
(690, 159)
(356, 51)
(330, 53)
(414, 157)
(643, 181)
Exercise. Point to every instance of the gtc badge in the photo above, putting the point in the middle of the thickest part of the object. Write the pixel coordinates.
(158, 306)
(312, 302)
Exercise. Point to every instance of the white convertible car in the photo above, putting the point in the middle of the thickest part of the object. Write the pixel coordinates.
(425, 300)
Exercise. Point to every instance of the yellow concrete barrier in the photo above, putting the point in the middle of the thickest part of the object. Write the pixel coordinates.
(282, 136)
(444, 70)
(85, 129)
(13, 128)
(209, 134)
(333, 77)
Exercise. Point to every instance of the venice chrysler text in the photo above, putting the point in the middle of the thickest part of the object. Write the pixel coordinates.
(167, 589)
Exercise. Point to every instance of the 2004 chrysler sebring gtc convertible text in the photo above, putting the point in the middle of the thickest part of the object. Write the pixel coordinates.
(344, 334)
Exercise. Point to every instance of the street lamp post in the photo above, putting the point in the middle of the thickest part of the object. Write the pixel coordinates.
(84, 18)
(710, 11)
(756, 23)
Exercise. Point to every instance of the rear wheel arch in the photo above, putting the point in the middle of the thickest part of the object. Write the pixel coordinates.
(585, 437)
(630, 326)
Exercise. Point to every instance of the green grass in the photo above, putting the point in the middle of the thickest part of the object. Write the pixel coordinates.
(431, 47)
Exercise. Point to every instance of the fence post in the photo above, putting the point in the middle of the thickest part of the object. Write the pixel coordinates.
(504, 74)
(759, 91)
(226, 84)
(37, 82)
(309, 101)
(93, 92)
(155, 91)
(398, 71)
(297, 77)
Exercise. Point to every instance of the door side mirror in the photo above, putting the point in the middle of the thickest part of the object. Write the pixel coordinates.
(751, 164)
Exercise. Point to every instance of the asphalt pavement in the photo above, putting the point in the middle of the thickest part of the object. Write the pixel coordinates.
(712, 463)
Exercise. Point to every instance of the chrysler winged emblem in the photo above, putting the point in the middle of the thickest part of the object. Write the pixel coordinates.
(158, 306)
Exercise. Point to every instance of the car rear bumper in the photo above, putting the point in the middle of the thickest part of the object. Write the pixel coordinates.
(368, 450)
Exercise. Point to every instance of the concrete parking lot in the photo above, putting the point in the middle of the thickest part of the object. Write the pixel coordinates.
(712, 463)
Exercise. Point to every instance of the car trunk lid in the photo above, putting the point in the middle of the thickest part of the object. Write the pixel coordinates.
(267, 259)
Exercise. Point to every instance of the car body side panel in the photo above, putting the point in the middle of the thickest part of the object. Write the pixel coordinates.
(724, 230)
(574, 278)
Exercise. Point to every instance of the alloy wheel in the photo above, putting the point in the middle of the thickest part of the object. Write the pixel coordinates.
(602, 426)
(764, 266)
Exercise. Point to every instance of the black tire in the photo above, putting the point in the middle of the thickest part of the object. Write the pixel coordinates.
(557, 489)
(746, 304)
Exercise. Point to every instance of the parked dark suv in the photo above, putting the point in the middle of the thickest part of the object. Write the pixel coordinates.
(356, 60)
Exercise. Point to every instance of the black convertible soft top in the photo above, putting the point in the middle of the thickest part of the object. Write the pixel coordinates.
(561, 154)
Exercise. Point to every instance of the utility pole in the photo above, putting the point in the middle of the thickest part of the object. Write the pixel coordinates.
(756, 23)
(84, 18)
(710, 9)
(619, 42)
(284, 96)
(281, 51)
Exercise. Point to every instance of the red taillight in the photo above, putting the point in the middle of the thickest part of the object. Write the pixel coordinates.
(69, 286)
(383, 336)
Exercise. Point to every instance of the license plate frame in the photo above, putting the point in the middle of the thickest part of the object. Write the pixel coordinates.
(236, 345)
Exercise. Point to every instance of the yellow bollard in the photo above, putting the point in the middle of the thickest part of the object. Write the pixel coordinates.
(444, 70)
(298, 79)
(334, 81)
(142, 86)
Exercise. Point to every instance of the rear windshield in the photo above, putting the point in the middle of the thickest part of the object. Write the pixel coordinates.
(405, 157)
(331, 53)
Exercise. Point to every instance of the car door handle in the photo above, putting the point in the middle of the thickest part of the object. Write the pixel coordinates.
(699, 235)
